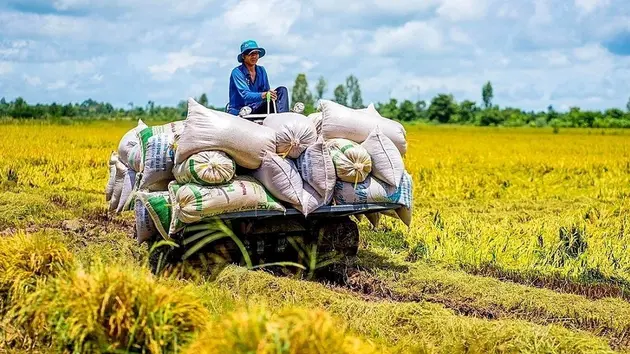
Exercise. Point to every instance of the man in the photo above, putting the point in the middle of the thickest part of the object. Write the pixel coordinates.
(249, 84)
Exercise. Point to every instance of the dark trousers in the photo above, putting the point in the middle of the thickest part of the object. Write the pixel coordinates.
(282, 103)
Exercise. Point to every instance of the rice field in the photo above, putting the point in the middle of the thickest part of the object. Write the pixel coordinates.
(518, 244)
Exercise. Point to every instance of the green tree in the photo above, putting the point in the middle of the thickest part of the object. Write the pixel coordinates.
(203, 100)
(182, 108)
(551, 113)
(55, 110)
(341, 95)
(627, 105)
(389, 110)
(407, 111)
(467, 110)
(354, 92)
(588, 117)
(151, 106)
(421, 109)
(442, 108)
(614, 113)
(487, 95)
(491, 116)
(4, 107)
(321, 88)
(20, 109)
(301, 93)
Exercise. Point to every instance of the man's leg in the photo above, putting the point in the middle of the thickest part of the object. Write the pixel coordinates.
(283, 99)
(261, 108)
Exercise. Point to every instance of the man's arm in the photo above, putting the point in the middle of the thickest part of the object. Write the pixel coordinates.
(243, 89)
(266, 86)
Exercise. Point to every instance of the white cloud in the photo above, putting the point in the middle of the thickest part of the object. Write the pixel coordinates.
(272, 18)
(459, 36)
(5, 67)
(69, 4)
(460, 10)
(32, 80)
(536, 52)
(508, 11)
(587, 6)
(412, 36)
(556, 59)
(276, 64)
(344, 44)
(59, 84)
(406, 6)
(157, 7)
(542, 13)
(357, 7)
(204, 85)
(177, 61)
(590, 52)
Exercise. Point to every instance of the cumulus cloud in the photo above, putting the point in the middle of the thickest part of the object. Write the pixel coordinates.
(177, 61)
(588, 6)
(271, 17)
(412, 36)
(459, 10)
(5, 68)
(536, 52)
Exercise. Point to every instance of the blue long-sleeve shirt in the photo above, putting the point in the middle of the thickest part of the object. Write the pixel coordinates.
(244, 92)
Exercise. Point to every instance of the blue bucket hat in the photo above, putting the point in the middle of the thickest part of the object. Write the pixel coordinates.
(248, 46)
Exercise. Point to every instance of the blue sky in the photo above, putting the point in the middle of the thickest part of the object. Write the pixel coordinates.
(535, 52)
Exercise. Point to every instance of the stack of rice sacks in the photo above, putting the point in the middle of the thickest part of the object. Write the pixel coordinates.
(213, 163)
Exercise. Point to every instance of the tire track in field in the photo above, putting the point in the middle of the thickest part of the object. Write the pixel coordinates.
(595, 290)
(370, 288)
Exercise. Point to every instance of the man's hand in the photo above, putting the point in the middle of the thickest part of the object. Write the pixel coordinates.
(274, 95)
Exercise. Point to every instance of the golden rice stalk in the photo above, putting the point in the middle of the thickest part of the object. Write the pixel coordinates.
(27, 260)
(112, 309)
(293, 330)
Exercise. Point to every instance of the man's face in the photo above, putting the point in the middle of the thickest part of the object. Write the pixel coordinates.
(251, 58)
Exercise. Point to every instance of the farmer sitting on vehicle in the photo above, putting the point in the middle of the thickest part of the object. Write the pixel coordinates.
(249, 84)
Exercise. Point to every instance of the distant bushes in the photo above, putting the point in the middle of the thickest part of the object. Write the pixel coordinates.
(441, 109)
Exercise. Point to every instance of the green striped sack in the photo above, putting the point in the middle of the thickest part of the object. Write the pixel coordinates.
(206, 168)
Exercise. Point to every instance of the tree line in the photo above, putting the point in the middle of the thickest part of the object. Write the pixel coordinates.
(441, 109)
(444, 109)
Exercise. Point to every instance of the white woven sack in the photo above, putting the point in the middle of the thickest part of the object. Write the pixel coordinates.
(145, 228)
(387, 163)
(311, 200)
(206, 130)
(113, 158)
(373, 190)
(128, 141)
(192, 203)
(281, 178)
(135, 158)
(119, 180)
(294, 133)
(129, 181)
(317, 169)
(207, 168)
(352, 162)
(316, 118)
(158, 162)
(339, 121)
